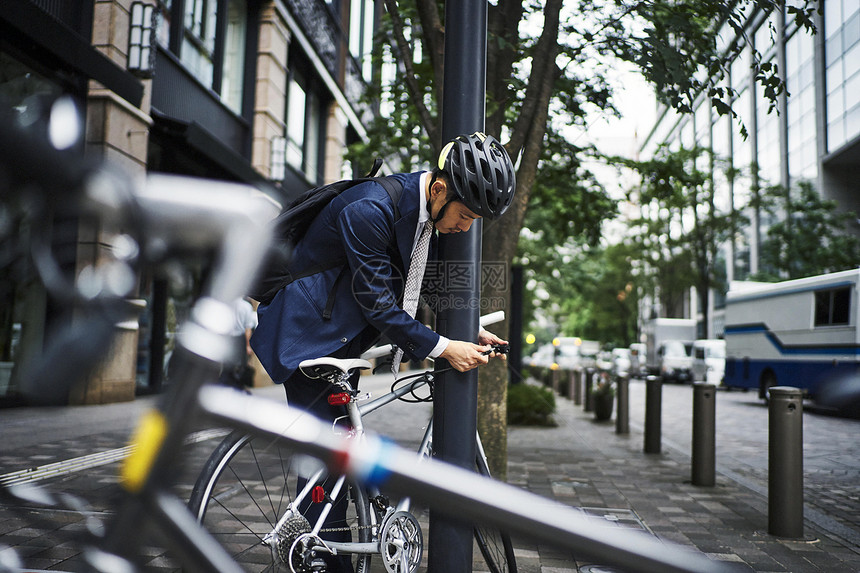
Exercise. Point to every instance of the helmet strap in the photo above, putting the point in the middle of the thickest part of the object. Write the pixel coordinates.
(441, 214)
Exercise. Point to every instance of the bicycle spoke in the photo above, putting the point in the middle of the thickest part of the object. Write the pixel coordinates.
(238, 519)
(251, 496)
(263, 480)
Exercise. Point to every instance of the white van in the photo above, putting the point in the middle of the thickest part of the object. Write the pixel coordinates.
(709, 361)
(675, 362)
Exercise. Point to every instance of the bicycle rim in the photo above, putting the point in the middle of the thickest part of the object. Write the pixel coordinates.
(496, 549)
(248, 484)
(495, 546)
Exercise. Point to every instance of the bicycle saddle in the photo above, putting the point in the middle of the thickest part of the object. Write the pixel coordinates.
(319, 367)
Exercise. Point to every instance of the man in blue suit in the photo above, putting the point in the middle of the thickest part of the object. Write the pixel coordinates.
(344, 310)
(474, 178)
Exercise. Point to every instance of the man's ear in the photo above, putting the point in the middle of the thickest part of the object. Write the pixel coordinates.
(438, 187)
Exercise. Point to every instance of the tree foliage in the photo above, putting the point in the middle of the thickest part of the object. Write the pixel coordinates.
(680, 227)
(812, 238)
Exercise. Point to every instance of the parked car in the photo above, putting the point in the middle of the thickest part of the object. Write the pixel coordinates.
(621, 361)
(572, 352)
(637, 359)
(675, 361)
(709, 360)
(603, 361)
(543, 357)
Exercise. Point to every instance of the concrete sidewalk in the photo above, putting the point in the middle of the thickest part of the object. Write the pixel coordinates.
(585, 464)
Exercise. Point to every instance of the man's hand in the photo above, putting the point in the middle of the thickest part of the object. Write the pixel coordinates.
(487, 338)
(464, 356)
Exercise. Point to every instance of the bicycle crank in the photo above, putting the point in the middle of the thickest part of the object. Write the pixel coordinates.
(401, 543)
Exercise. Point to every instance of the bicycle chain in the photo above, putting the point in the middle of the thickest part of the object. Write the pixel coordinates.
(335, 529)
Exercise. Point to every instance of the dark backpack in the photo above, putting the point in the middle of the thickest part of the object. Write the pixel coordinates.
(292, 224)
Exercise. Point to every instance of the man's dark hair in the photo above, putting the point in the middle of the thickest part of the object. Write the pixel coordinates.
(437, 173)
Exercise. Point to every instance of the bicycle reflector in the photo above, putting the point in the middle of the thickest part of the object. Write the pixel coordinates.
(339, 399)
(318, 494)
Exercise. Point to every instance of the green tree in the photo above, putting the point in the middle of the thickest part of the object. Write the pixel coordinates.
(680, 228)
(812, 238)
(547, 65)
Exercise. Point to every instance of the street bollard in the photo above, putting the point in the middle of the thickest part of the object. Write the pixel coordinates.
(704, 440)
(622, 415)
(588, 402)
(554, 375)
(571, 377)
(653, 414)
(577, 386)
(785, 462)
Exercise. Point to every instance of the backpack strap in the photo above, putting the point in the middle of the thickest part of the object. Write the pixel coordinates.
(394, 189)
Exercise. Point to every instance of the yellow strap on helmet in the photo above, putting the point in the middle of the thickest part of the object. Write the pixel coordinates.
(447, 149)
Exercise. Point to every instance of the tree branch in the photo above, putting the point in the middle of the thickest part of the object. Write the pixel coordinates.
(543, 66)
(503, 46)
(433, 37)
(409, 76)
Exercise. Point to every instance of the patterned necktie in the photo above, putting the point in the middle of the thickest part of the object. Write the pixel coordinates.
(412, 290)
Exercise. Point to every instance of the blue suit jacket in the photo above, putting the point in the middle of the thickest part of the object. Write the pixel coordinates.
(357, 226)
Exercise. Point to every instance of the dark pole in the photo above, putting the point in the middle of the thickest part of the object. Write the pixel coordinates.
(456, 395)
(785, 462)
(515, 330)
(704, 456)
(653, 414)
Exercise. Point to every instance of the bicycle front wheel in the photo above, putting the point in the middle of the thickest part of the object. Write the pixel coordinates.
(495, 545)
(246, 498)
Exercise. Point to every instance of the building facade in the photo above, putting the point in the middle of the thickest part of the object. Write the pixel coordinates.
(812, 137)
(257, 91)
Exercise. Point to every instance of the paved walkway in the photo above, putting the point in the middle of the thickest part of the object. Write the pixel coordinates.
(580, 462)
(586, 464)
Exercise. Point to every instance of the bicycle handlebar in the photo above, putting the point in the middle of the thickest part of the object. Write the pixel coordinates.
(385, 349)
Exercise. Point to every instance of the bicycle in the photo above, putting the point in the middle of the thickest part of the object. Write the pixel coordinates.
(164, 219)
(243, 479)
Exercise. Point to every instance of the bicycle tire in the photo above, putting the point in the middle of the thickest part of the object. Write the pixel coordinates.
(495, 545)
(244, 488)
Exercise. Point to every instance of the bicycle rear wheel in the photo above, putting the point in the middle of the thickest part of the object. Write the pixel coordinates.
(495, 545)
(248, 484)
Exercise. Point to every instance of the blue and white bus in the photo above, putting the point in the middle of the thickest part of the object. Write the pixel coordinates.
(802, 333)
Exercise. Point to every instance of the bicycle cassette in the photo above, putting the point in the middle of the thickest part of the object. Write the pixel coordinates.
(286, 536)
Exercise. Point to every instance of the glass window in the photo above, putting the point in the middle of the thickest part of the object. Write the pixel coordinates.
(210, 40)
(163, 32)
(296, 103)
(833, 306)
(198, 41)
(801, 107)
(851, 31)
(28, 94)
(304, 126)
(361, 34)
(768, 142)
(234, 55)
(842, 57)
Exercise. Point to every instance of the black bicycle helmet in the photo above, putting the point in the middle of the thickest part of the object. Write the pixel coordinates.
(481, 173)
